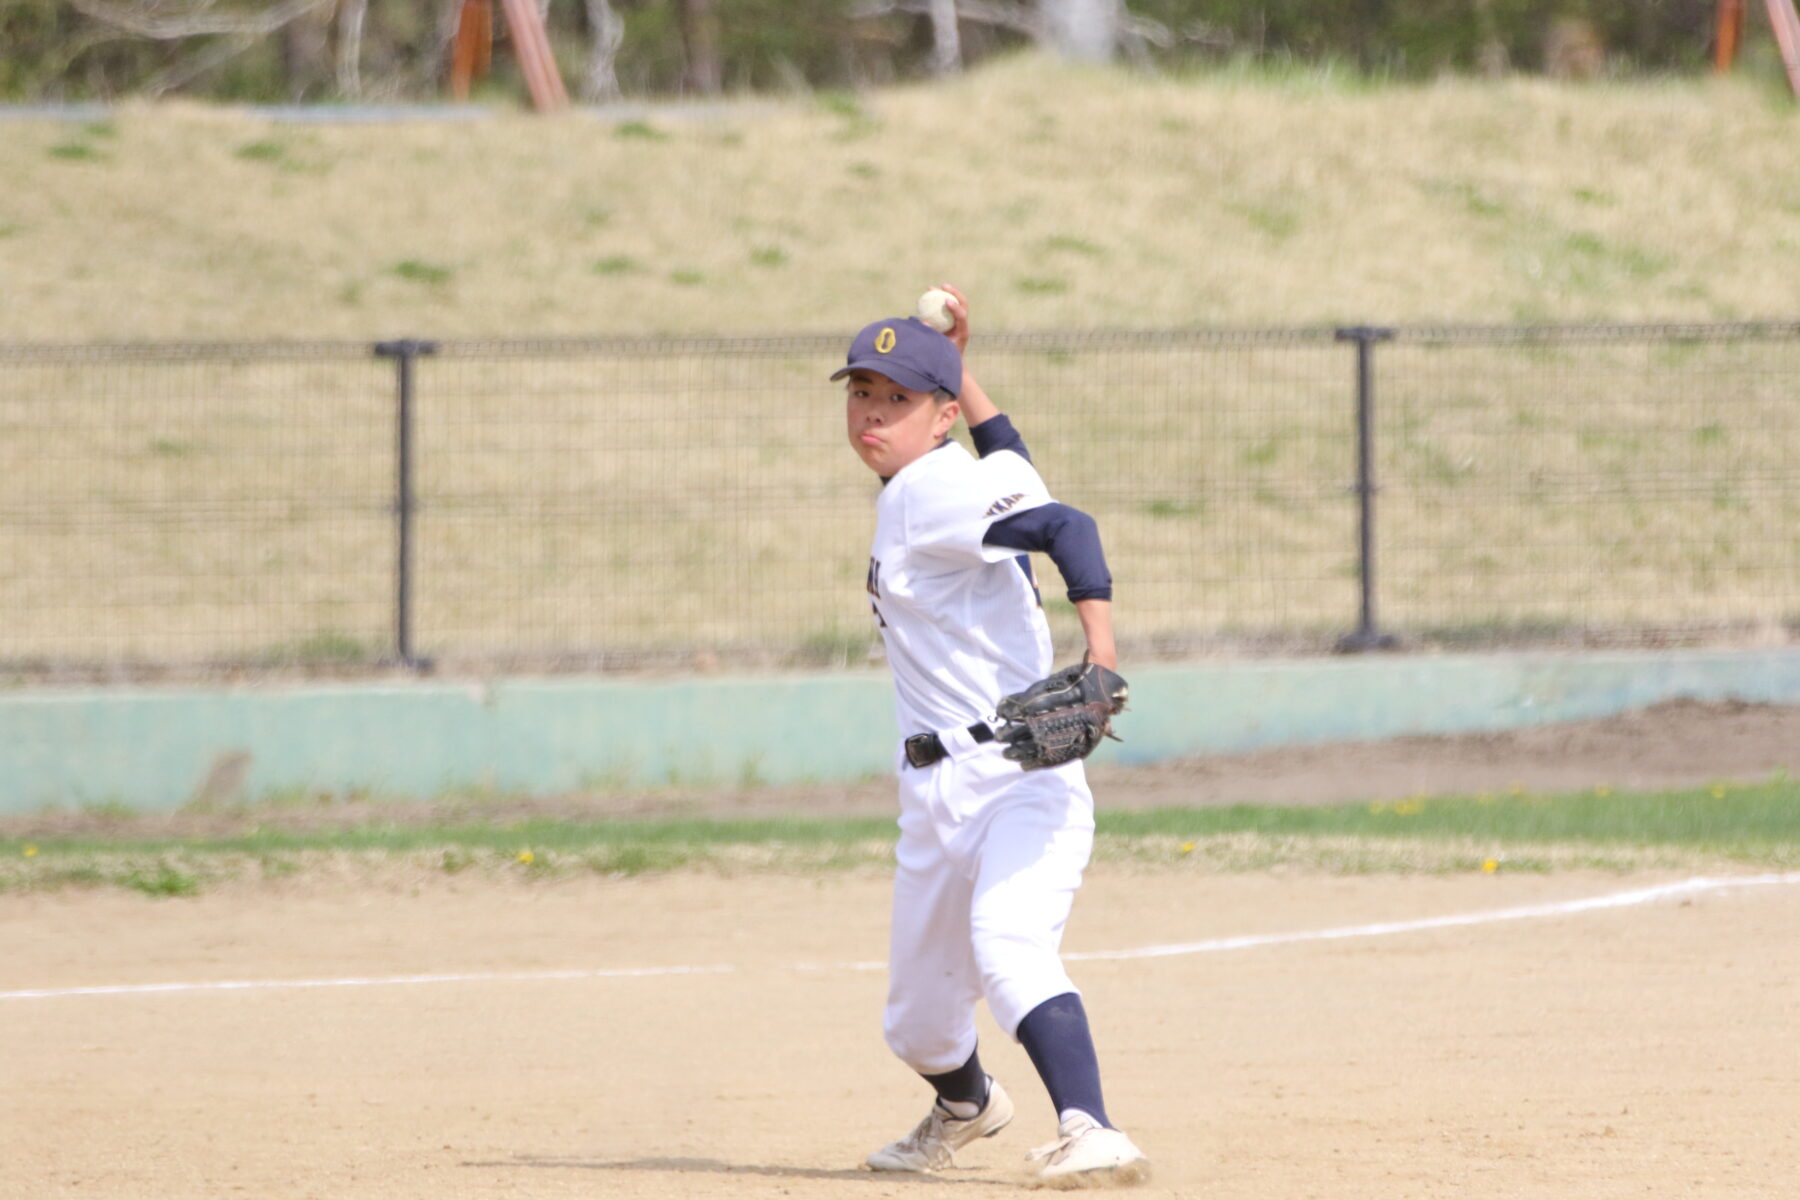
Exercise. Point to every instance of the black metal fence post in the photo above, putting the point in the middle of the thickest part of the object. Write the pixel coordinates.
(1368, 635)
(404, 352)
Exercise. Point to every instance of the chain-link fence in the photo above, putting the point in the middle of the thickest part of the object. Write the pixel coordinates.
(1616, 485)
(187, 505)
(583, 504)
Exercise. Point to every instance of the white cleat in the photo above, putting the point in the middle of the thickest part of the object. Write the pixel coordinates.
(1087, 1154)
(932, 1146)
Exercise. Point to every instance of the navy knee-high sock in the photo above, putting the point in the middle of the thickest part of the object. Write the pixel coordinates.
(1056, 1035)
(967, 1084)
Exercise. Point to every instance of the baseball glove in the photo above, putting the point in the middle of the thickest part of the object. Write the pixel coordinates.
(1060, 718)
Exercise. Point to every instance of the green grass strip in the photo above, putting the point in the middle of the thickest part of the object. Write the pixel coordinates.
(1724, 817)
(565, 836)
(1728, 818)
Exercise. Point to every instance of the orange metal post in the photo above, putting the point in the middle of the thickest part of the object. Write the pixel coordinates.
(1728, 34)
(1787, 35)
(532, 45)
(472, 52)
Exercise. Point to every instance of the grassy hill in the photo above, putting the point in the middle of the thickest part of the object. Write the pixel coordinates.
(1605, 488)
(1057, 198)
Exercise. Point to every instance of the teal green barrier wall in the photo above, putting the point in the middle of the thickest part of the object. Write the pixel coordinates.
(155, 749)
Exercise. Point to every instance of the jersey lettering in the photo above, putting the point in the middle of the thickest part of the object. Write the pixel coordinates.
(1003, 504)
(873, 586)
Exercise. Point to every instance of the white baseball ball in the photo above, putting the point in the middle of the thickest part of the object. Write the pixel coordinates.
(934, 310)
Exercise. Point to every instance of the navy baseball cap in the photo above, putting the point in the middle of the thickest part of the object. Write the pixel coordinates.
(908, 351)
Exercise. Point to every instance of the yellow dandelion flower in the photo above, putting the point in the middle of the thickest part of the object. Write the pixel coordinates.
(1409, 808)
(1187, 847)
(1490, 865)
(1603, 790)
(1717, 793)
(30, 851)
(527, 857)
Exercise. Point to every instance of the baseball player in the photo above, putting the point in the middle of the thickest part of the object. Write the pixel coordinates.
(990, 855)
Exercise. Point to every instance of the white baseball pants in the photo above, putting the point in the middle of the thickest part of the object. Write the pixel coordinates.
(988, 864)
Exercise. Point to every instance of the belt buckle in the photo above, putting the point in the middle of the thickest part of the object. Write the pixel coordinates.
(919, 750)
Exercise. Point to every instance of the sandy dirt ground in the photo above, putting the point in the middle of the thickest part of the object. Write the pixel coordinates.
(1639, 1051)
(1678, 744)
(701, 1034)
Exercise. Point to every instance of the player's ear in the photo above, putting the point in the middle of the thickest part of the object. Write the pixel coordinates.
(947, 413)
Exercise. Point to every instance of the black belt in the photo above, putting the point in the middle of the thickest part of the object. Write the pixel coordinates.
(927, 749)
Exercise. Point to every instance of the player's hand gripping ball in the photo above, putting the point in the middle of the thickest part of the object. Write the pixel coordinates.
(1062, 718)
(934, 310)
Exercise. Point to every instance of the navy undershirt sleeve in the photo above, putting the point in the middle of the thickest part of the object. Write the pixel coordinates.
(997, 433)
(1071, 539)
(1069, 536)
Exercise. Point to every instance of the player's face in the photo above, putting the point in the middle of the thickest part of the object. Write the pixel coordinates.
(889, 425)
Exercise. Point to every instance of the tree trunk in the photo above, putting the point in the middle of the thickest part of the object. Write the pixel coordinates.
(306, 54)
(441, 72)
(600, 81)
(349, 48)
(946, 39)
(1083, 30)
(700, 37)
(1490, 50)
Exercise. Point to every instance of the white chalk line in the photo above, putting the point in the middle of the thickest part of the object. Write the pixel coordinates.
(1559, 908)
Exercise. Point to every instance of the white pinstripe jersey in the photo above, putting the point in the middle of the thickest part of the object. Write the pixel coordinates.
(961, 621)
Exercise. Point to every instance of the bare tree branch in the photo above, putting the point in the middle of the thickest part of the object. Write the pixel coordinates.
(1136, 31)
(1146, 30)
(235, 32)
(199, 63)
(148, 18)
(998, 13)
(1138, 34)
(1218, 37)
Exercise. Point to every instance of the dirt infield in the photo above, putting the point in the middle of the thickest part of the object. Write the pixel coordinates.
(704, 1034)
(1643, 1050)
(1677, 744)
(1681, 743)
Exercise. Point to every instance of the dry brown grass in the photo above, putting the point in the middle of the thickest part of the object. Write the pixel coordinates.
(1523, 487)
(1057, 198)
